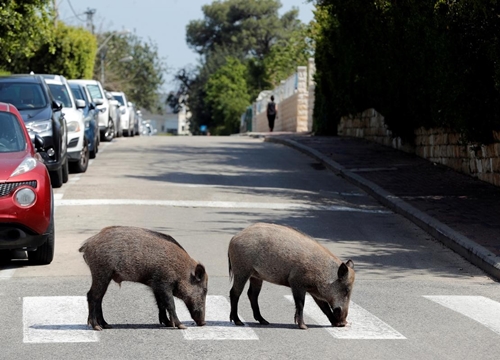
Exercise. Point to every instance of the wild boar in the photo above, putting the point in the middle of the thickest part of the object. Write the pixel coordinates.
(284, 256)
(123, 253)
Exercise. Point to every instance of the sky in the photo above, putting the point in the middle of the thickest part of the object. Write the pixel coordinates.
(161, 21)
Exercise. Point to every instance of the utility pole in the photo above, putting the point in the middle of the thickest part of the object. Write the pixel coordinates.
(90, 19)
(56, 11)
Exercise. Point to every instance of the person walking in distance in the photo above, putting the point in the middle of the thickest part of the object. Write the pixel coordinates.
(272, 111)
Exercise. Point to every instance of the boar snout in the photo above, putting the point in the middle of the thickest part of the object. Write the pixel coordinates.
(198, 317)
(339, 317)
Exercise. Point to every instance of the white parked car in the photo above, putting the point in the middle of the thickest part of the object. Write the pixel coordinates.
(107, 120)
(126, 116)
(78, 147)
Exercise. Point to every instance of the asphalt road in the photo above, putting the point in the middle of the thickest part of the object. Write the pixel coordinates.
(413, 298)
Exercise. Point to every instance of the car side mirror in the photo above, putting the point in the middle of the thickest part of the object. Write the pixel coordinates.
(38, 142)
(99, 102)
(57, 105)
(80, 104)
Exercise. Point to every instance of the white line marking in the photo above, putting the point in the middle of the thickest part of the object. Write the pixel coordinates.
(58, 196)
(361, 323)
(74, 178)
(56, 319)
(479, 308)
(7, 273)
(218, 326)
(214, 204)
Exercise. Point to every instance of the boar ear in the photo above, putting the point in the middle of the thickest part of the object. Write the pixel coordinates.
(199, 272)
(343, 271)
(350, 264)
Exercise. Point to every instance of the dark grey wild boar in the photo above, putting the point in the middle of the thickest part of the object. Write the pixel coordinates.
(284, 256)
(123, 253)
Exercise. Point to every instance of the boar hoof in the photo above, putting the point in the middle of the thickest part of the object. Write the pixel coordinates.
(238, 323)
(263, 322)
(181, 326)
(303, 326)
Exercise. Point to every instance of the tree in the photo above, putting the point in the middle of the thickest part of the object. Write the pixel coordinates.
(24, 26)
(245, 30)
(133, 66)
(285, 56)
(227, 96)
(70, 53)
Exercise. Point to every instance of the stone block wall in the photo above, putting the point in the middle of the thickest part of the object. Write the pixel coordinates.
(438, 145)
(293, 108)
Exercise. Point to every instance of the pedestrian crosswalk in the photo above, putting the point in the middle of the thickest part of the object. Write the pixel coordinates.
(62, 319)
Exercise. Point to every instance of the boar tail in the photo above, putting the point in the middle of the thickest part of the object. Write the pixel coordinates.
(83, 249)
(230, 268)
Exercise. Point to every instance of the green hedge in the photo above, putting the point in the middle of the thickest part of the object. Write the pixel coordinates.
(418, 62)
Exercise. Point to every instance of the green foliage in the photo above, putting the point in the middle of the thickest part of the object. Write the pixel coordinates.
(286, 55)
(418, 62)
(24, 26)
(133, 66)
(70, 53)
(227, 96)
(247, 30)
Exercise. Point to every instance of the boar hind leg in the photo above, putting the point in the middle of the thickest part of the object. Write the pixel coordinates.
(235, 293)
(299, 296)
(94, 298)
(253, 295)
(327, 310)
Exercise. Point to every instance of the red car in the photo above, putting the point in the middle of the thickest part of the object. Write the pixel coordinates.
(26, 199)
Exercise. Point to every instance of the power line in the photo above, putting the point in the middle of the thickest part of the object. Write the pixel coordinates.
(74, 13)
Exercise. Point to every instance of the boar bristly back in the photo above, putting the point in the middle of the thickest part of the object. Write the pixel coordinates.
(284, 256)
(124, 253)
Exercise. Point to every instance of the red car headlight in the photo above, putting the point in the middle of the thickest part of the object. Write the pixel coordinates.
(25, 197)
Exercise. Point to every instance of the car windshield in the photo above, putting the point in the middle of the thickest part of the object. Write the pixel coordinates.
(23, 95)
(95, 92)
(11, 134)
(120, 99)
(60, 93)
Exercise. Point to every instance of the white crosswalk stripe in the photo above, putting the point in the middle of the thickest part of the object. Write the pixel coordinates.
(361, 323)
(63, 319)
(56, 319)
(218, 326)
(478, 308)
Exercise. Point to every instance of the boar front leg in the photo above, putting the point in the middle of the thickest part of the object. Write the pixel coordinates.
(327, 310)
(253, 295)
(299, 296)
(162, 308)
(165, 300)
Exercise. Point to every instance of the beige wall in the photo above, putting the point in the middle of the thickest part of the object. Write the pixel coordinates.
(438, 145)
(294, 113)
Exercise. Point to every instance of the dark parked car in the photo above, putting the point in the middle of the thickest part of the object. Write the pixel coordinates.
(90, 116)
(26, 199)
(42, 115)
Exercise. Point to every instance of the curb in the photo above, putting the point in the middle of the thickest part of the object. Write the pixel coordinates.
(471, 251)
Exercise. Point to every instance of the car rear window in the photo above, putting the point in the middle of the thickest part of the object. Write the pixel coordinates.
(95, 92)
(12, 137)
(23, 96)
(60, 93)
(119, 98)
(77, 92)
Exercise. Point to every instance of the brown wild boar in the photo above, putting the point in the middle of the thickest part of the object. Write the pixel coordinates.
(284, 256)
(123, 253)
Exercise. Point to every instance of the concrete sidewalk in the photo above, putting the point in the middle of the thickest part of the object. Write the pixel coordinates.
(456, 209)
